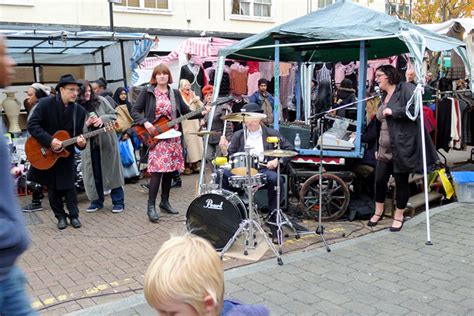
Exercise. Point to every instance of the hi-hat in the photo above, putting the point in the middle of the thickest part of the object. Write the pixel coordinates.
(280, 153)
(242, 116)
(242, 171)
(204, 133)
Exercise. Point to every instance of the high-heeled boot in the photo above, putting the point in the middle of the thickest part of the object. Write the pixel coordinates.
(165, 205)
(153, 215)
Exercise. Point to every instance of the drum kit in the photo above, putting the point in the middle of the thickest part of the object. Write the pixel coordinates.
(221, 216)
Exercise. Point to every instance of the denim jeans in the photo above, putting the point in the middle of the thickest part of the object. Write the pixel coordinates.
(117, 194)
(13, 297)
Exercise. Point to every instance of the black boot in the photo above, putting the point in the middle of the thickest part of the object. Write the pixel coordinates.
(165, 205)
(153, 216)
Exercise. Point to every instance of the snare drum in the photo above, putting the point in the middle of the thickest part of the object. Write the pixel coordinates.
(240, 182)
(238, 162)
(216, 216)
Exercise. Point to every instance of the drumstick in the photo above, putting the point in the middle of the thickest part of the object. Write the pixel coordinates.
(262, 164)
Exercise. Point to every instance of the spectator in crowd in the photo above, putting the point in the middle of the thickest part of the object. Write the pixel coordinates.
(101, 164)
(99, 87)
(35, 92)
(263, 98)
(186, 277)
(217, 124)
(192, 142)
(345, 94)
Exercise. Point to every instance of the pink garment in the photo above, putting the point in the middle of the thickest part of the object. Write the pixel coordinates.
(267, 70)
(339, 73)
(252, 83)
(285, 69)
(455, 125)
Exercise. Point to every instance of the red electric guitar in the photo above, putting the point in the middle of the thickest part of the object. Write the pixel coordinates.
(162, 125)
(43, 158)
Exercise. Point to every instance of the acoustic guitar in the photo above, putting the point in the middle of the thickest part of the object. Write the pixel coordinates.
(43, 158)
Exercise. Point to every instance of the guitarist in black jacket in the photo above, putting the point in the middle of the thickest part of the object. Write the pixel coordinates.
(52, 114)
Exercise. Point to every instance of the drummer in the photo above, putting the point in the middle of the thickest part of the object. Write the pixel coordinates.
(257, 134)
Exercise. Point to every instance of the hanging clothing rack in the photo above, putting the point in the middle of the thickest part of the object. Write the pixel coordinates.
(438, 97)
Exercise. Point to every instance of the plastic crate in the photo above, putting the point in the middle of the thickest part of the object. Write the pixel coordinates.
(464, 186)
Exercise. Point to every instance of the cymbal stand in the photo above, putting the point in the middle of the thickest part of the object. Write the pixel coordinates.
(280, 217)
(250, 226)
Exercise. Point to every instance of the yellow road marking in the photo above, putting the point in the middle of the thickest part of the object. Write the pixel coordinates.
(87, 292)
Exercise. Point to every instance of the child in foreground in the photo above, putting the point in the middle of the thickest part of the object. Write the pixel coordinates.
(186, 277)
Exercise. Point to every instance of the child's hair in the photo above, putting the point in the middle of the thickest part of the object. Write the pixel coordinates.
(185, 269)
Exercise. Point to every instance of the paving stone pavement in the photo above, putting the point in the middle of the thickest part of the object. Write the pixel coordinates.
(105, 260)
(381, 273)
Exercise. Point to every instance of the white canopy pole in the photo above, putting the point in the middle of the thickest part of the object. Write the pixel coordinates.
(217, 83)
(416, 44)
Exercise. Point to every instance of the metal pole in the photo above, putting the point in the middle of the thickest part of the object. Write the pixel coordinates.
(276, 97)
(298, 88)
(33, 61)
(124, 70)
(361, 94)
(111, 14)
(103, 62)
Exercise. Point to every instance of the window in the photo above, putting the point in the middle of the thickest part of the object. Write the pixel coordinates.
(145, 5)
(324, 3)
(252, 8)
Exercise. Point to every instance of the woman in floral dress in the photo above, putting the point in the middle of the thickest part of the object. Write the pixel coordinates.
(155, 101)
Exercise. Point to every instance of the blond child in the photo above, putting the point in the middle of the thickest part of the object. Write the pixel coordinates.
(186, 277)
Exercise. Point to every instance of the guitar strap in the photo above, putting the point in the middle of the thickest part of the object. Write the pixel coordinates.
(74, 118)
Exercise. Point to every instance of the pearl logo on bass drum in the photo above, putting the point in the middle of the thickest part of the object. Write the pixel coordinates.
(210, 205)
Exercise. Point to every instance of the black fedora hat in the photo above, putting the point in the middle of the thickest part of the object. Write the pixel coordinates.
(67, 79)
(252, 107)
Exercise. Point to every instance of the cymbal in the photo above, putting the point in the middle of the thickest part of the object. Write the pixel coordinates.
(242, 116)
(204, 133)
(280, 153)
(242, 171)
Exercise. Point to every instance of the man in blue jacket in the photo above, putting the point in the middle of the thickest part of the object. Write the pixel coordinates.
(13, 235)
(264, 99)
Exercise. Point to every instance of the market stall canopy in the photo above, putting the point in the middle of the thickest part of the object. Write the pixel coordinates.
(334, 34)
(197, 46)
(443, 28)
(62, 47)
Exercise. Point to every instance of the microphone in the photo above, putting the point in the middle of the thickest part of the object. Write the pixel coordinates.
(273, 139)
(223, 100)
(377, 91)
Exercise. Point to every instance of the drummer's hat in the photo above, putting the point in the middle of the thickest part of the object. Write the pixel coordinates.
(252, 107)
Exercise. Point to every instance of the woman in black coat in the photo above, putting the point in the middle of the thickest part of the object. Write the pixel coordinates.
(399, 144)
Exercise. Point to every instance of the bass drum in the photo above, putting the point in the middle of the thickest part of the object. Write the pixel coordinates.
(216, 216)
